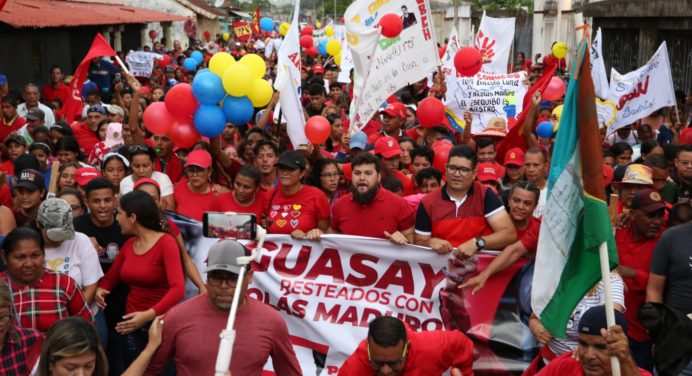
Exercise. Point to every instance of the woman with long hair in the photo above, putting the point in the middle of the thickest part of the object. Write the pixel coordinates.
(67, 150)
(327, 177)
(66, 175)
(149, 264)
(142, 162)
(115, 167)
(72, 347)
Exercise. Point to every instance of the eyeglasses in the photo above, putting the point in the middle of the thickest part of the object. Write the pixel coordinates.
(217, 280)
(4, 319)
(378, 364)
(194, 171)
(334, 175)
(463, 171)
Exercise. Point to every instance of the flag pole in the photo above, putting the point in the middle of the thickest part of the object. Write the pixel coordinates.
(609, 309)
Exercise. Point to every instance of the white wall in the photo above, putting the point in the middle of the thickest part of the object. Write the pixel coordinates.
(165, 6)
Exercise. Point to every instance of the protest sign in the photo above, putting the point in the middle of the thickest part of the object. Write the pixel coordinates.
(639, 93)
(141, 63)
(598, 71)
(242, 30)
(385, 65)
(486, 96)
(494, 41)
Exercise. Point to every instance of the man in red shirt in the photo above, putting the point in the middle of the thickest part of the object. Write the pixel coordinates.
(393, 119)
(389, 153)
(167, 161)
(596, 346)
(392, 350)
(56, 89)
(635, 244)
(370, 210)
(85, 132)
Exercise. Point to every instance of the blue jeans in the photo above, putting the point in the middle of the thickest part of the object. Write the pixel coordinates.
(101, 329)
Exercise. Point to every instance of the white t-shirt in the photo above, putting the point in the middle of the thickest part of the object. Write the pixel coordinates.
(77, 258)
(127, 184)
(49, 118)
(538, 212)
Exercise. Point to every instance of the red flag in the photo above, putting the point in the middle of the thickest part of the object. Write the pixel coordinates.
(514, 138)
(73, 104)
(255, 24)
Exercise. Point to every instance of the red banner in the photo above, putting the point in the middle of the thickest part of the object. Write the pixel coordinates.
(255, 25)
(242, 30)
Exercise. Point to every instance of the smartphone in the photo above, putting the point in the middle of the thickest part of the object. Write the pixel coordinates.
(229, 225)
(117, 78)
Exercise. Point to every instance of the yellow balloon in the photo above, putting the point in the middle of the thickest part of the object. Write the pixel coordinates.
(256, 65)
(283, 29)
(333, 47)
(557, 112)
(337, 60)
(219, 62)
(226, 36)
(319, 25)
(560, 50)
(329, 31)
(261, 93)
(237, 80)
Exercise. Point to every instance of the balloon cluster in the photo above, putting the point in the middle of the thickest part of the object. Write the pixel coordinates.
(191, 63)
(330, 47)
(226, 92)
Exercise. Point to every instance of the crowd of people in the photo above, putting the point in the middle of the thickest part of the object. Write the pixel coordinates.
(91, 262)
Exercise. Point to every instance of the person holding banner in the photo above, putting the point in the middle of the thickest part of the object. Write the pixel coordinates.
(391, 350)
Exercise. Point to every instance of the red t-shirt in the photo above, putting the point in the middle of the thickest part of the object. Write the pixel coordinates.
(406, 182)
(174, 167)
(62, 92)
(85, 137)
(7, 167)
(174, 228)
(6, 128)
(566, 365)
(155, 278)
(226, 203)
(636, 255)
(192, 204)
(529, 236)
(300, 211)
(386, 212)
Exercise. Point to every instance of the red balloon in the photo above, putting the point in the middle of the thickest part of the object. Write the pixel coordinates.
(164, 61)
(183, 134)
(391, 25)
(157, 119)
(468, 61)
(180, 101)
(207, 35)
(307, 30)
(306, 41)
(441, 149)
(152, 34)
(318, 129)
(555, 89)
(311, 51)
(430, 112)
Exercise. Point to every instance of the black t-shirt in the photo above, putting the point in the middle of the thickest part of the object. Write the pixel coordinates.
(672, 259)
(110, 239)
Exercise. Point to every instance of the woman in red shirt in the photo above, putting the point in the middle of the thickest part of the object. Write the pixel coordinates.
(11, 121)
(149, 264)
(244, 198)
(195, 194)
(294, 208)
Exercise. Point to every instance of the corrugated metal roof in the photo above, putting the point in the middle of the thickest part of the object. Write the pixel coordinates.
(201, 7)
(57, 13)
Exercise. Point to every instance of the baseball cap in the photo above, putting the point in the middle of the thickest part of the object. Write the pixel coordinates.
(291, 159)
(317, 68)
(84, 175)
(545, 105)
(169, 69)
(3, 79)
(608, 174)
(35, 114)
(224, 256)
(638, 174)
(114, 109)
(396, 109)
(358, 140)
(55, 215)
(514, 157)
(17, 139)
(29, 179)
(143, 181)
(487, 172)
(648, 200)
(387, 147)
(594, 319)
(114, 135)
(97, 108)
(199, 158)
(144, 90)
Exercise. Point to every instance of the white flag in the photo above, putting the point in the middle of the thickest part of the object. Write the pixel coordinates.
(494, 41)
(639, 93)
(288, 83)
(598, 71)
(385, 65)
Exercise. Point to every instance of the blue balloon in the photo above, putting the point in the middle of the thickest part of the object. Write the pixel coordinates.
(209, 120)
(190, 64)
(238, 110)
(322, 48)
(267, 24)
(545, 129)
(199, 58)
(207, 88)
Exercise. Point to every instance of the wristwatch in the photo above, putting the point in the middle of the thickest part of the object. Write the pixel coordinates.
(480, 243)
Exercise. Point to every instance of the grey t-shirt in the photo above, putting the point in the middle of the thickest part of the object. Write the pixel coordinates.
(672, 258)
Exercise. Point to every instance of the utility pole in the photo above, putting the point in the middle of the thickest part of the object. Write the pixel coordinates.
(456, 14)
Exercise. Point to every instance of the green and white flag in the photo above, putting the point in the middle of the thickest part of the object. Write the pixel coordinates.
(575, 221)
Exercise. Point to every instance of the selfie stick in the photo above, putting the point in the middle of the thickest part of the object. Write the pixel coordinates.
(223, 358)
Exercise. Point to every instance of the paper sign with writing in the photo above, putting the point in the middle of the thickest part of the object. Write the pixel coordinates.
(141, 63)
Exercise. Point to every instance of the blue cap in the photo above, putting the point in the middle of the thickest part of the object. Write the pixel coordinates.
(3, 79)
(358, 140)
(98, 108)
(545, 104)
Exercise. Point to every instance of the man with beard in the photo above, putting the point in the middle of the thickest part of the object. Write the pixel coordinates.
(370, 210)
(261, 332)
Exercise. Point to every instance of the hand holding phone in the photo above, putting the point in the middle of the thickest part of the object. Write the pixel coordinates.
(229, 225)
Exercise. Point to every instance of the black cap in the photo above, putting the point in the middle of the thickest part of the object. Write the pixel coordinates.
(29, 179)
(291, 159)
(17, 139)
(594, 319)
